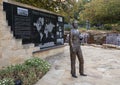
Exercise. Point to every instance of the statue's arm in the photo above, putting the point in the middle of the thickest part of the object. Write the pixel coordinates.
(70, 39)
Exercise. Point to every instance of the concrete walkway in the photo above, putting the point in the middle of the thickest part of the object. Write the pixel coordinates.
(101, 65)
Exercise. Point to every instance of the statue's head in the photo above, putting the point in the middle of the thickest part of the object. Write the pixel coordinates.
(75, 24)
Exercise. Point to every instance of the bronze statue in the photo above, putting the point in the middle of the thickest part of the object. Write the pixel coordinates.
(75, 49)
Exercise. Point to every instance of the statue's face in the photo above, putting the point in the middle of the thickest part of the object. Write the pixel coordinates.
(75, 25)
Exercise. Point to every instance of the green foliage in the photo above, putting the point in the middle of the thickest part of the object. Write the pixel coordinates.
(116, 27)
(73, 10)
(107, 27)
(103, 11)
(33, 69)
(43, 4)
(82, 29)
(70, 9)
(67, 29)
(39, 64)
(94, 28)
(7, 81)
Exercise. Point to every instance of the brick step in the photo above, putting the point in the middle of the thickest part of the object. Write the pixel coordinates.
(3, 22)
(2, 15)
(16, 56)
(11, 44)
(1, 1)
(5, 35)
(1, 6)
(6, 29)
(36, 49)
(0, 51)
(27, 46)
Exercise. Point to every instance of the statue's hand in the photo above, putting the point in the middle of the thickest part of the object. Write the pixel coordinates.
(80, 37)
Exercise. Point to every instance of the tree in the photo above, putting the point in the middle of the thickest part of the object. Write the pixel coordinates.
(102, 11)
(70, 9)
(50, 5)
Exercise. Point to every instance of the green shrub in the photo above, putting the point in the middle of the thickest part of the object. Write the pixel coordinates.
(33, 69)
(7, 81)
(116, 28)
(82, 28)
(39, 64)
(67, 29)
(94, 28)
(107, 27)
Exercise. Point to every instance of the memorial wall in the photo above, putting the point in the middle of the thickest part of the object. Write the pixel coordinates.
(44, 29)
(25, 31)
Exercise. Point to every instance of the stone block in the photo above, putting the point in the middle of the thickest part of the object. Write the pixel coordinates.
(4, 63)
(0, 43)
(5, 28)
(10, 53)
(27, 46)
(13, 56)
(1, 6)
(3, 22)
(6, 35)
(1, 1)
(0, 35)
(11, 44)
(20, 52)
(2, 16)
(118, 47)
(16, 60)
(109, 46)
(5, 43)
(31, 45)
(0, 52)
(29, 52)
(12, 60)
(50, 52)
(18, 41)
(36, 49)
(16, 45)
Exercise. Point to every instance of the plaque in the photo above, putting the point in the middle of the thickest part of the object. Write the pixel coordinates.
(22, 11)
